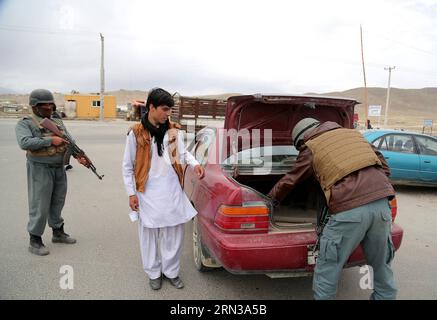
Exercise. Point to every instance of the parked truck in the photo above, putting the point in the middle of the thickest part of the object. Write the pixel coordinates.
(190, 112)
(197, 112)
(135, 110)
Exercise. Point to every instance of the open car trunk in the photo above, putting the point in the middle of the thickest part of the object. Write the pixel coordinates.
(274, 117)
(300, 209)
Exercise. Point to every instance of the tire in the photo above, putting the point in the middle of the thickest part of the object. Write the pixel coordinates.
(199, 252)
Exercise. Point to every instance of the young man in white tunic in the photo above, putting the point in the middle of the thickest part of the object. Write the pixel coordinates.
(152, 173)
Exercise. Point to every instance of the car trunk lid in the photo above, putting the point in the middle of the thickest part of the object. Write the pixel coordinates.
(280, 113)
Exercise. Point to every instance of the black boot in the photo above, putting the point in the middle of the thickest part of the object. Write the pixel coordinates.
(37, 247)
(59, 236)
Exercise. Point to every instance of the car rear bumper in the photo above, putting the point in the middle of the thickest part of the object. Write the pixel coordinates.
(271, 252)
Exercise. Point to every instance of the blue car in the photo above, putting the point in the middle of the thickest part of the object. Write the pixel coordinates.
(412, 157)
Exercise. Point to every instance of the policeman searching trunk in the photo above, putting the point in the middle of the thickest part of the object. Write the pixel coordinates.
(301, 209)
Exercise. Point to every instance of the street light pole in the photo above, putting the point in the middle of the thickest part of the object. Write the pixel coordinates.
(366, 103)
(102, 78)
(387, 103)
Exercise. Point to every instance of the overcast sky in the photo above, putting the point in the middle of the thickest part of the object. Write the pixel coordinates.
(217, 46)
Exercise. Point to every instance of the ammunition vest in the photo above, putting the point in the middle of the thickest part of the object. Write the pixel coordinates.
(143, 157)
(51, 150)
(338, 153)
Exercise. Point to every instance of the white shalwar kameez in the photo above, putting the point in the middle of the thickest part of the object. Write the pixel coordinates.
(163, 207)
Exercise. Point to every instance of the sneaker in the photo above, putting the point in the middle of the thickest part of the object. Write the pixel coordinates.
(155, 284)
(36, 246)
(176, 282)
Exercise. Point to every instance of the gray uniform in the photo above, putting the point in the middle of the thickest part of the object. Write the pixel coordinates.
(46, 177)
(370, 225)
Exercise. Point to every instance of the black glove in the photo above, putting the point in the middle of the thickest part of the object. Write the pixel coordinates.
(275, 203)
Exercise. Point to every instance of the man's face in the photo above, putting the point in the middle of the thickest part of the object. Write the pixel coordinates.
(160, 114)
(45, 110)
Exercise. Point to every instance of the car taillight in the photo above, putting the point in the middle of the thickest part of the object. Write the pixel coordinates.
(248, 218)
(394, 208)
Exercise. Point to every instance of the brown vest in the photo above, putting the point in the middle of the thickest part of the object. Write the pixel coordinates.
(143, 157)
(337, 153)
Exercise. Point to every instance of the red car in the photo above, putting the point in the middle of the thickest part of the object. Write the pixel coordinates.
(236, 227)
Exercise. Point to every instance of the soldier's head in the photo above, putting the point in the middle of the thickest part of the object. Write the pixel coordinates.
(42, 103)
(159, 104)
(301, 128)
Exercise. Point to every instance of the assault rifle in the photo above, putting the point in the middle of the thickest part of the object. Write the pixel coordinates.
(322, 220)
(321, 223)
(76, 152)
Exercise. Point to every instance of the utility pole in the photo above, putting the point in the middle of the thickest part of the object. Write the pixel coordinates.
(387, 103)
(102, 78)
(366, 105)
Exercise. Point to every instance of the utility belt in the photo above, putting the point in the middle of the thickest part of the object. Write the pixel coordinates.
(48, 151)
(48, 165)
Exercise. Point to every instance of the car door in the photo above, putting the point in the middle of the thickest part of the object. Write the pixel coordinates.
(200, 151)
(188, 171)
(428, 158)
(402, 156)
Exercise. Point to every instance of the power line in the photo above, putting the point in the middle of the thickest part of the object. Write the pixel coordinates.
(411, 47)
(90, 33)
(30, 29)
(404, 69)
(404, 44)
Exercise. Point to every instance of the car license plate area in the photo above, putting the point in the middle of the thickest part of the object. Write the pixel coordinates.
(312, 255)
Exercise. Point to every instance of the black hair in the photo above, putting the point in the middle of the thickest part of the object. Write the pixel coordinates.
(159, 97)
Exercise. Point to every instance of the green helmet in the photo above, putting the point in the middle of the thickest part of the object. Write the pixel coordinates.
(301, 128)
(41, 96)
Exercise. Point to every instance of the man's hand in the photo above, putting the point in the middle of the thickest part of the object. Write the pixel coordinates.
(199, 171)
(56, 141)
(133, 203)
(172, 135)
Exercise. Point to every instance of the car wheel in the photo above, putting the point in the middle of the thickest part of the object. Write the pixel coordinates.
(201, 257)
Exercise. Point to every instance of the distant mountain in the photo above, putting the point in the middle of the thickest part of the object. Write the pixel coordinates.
(408, 107)
(24, 98)
(408, 101)
(6, 91)
(125, 96)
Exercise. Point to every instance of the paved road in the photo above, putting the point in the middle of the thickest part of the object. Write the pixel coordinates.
(106, 259)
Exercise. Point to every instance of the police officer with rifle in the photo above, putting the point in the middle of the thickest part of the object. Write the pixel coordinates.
(46, 177)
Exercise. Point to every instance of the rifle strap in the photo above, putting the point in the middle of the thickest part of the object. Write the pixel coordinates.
(35, 121)
(324, 217)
